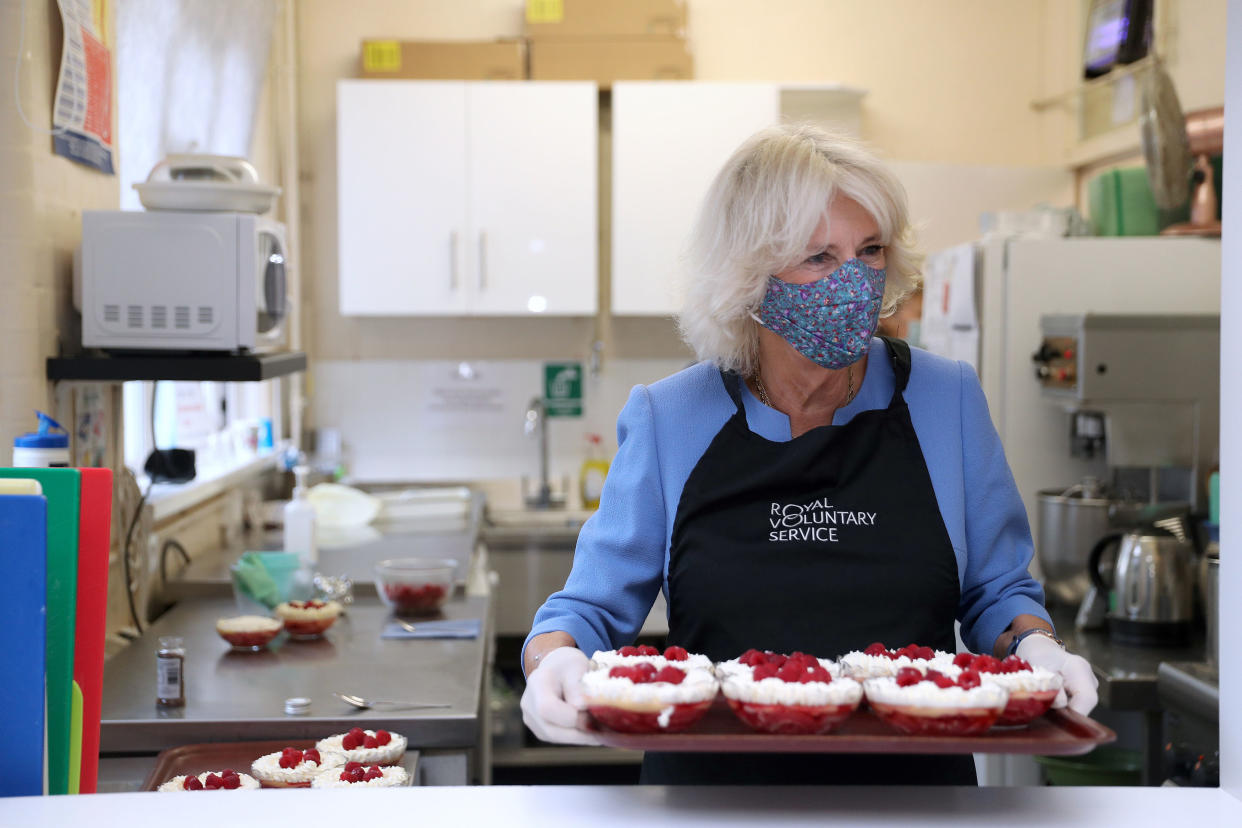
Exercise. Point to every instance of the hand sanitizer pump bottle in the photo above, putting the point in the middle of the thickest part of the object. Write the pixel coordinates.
(300, 522)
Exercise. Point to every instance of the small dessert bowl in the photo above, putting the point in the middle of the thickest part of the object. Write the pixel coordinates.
(414, 586)
(248, 633)
(305, 620)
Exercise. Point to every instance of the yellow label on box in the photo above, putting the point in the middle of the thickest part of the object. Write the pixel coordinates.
(545, 11)
(381, 56)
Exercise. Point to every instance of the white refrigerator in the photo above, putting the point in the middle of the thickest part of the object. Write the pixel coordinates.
(982, 303)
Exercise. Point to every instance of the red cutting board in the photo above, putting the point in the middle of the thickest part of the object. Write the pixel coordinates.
(94, 536)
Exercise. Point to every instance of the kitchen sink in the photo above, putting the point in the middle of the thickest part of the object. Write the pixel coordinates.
(520, 526)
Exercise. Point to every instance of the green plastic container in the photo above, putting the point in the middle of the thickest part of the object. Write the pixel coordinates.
(1102, 766)
(258, 594)
(1121, 203)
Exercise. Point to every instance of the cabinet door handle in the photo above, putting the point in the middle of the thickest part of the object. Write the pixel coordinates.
(453, 261)
(482, 260)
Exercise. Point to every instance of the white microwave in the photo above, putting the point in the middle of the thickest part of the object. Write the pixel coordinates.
(182, 281)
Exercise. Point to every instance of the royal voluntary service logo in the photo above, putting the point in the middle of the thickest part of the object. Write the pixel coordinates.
(818, 520)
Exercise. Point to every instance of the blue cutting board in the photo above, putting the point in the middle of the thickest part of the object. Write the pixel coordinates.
(62, 488)
(23, 559)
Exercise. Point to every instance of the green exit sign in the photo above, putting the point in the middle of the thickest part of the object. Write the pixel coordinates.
(562, 389)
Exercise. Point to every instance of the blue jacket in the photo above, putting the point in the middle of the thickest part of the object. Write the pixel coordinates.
(621, 558)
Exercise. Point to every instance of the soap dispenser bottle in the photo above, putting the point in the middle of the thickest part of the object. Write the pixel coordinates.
(300, 521)
(594, 470)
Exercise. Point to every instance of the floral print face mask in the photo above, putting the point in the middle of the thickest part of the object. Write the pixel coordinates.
(830, 321)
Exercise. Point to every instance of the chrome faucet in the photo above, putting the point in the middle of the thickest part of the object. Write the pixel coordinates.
(537, 420)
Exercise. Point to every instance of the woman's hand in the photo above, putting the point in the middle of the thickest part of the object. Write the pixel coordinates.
(1080, 681)
(553, 706)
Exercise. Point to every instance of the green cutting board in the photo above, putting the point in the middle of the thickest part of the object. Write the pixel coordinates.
(61, 487)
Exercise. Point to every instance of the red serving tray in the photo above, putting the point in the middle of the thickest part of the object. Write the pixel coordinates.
(216, 756)
(1056, 733)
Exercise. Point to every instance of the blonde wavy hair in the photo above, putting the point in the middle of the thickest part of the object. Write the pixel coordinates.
(756, 219)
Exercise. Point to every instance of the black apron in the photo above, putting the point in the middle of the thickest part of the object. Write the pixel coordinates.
(824, 544)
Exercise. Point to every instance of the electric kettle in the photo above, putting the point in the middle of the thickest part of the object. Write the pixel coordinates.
(1151, 598)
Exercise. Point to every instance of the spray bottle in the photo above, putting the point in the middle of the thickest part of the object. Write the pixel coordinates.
(300, 521)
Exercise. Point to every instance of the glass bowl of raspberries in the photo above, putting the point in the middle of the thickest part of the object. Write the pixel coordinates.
(414, 586)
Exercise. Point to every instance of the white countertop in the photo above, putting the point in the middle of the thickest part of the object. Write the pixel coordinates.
(630, 806)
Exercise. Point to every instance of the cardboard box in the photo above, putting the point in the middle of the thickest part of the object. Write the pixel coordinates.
(444, 59)
(613, 59)
(605, 18)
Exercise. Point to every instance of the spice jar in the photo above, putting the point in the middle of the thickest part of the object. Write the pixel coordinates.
(170, 672)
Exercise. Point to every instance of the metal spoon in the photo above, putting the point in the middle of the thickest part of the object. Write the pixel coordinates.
(406, 625)
(364, 704)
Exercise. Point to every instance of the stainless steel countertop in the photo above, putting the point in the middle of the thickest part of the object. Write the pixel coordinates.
(238, 696)
(1127, 673)
(1192, 687)
(353, 553)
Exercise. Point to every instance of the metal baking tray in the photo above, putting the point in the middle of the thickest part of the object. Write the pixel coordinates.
(216, 756)
(1056, 733)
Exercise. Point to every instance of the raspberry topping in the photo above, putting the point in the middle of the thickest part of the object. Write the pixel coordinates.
(307, 604)
(968, 679)
(985, 664)
(369, 742)
(627, 651)
(648, 650)
(764, 670)
(354, 739)
(908, 676)
(646, 673)
(411, 599)
(797, 668)
(910, 651)
(963, 659)
(670, 674)
(753, 658)
(383, 737)
(311, 755)
(1013, 664)
(291, 757)
(676, 653)
(230, 780)
(355, 772)
(213, 782)
(191, 783)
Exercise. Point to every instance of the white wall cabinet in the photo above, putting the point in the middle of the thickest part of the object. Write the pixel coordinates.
(670, 139)
(467, 198)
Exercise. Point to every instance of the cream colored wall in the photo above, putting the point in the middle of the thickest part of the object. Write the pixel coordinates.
(41, 201)
(914, 110)
(948, 82)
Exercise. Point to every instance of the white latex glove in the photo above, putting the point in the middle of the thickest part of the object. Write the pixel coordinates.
(1080, 681)
(553, 706)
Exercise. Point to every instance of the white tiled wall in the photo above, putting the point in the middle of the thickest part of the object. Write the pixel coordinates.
(392, 429)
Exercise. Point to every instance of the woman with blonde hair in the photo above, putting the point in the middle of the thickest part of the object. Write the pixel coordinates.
(802, 243)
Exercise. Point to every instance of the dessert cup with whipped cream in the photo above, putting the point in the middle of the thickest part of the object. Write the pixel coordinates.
(628, 692)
